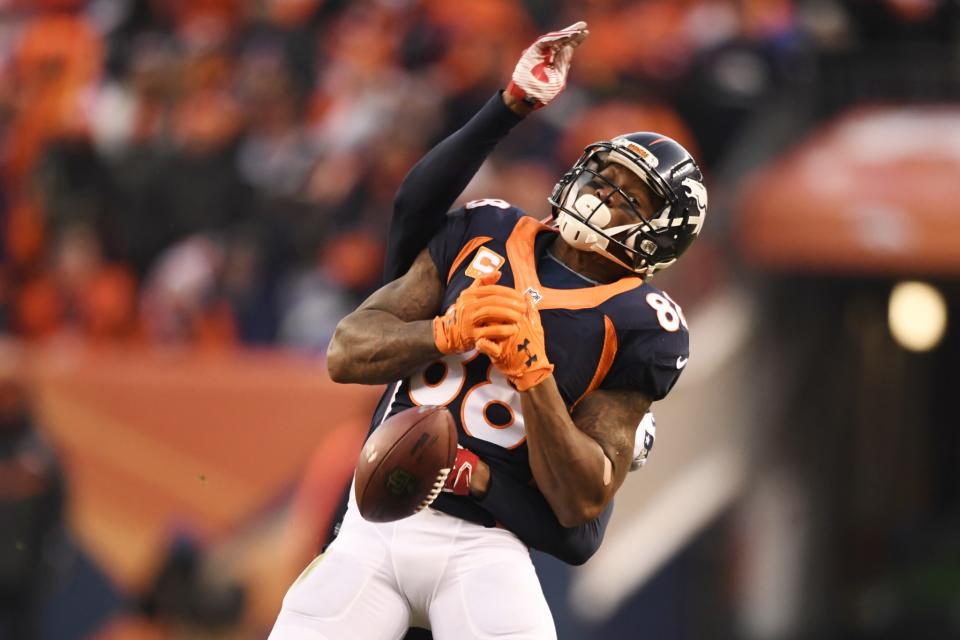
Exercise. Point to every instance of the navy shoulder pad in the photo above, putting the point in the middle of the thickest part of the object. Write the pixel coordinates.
(653, 341)
(645, 308)
(492, 217)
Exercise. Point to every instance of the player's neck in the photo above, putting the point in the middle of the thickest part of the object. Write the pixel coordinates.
(588, 264)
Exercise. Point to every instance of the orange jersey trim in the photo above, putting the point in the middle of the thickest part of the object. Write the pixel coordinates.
(468, 248)
(524, 267)
(606, 359)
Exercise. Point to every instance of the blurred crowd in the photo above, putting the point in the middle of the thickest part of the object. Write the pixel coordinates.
(217, 172)
(222, 171)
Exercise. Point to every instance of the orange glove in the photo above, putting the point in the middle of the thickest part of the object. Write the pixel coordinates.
(521, 357)
(483, 310)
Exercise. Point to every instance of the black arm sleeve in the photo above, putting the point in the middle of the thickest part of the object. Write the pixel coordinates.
(437, 180)
(537, 526)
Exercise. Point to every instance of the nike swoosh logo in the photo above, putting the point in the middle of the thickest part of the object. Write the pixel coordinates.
(465, 467)
(681, 362)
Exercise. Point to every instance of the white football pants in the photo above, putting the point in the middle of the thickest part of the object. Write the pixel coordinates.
(429, 570)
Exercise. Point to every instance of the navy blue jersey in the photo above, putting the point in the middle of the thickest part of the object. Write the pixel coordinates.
(623, 335)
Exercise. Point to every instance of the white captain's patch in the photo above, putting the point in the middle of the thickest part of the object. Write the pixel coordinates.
(485, 263)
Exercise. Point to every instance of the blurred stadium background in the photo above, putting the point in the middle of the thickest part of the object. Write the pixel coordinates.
(195, 191)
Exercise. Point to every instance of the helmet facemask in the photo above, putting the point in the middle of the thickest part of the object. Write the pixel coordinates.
(583, 218)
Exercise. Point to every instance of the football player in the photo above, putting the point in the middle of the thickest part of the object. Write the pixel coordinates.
(548, 346)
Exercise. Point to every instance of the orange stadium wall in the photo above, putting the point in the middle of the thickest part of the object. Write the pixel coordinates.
(247, 451)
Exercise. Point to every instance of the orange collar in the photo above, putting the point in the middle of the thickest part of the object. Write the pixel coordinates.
(523, 263)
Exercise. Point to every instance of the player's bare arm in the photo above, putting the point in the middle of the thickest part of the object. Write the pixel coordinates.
(607, 416)
(390, 335)
(580, 461)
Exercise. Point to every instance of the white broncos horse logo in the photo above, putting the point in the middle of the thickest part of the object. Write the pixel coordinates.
(699, 193)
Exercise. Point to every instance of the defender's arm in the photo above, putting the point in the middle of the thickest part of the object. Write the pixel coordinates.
(580, 461)
(390, 335)
(535, 523)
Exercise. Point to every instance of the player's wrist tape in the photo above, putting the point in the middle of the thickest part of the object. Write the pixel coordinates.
(458, 480)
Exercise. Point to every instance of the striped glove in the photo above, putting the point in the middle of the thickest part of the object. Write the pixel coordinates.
(541, 73)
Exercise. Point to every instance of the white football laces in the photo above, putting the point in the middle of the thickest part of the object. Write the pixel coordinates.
(435, 491)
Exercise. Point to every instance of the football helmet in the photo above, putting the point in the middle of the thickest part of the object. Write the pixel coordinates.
(657, 240)
(643, 444)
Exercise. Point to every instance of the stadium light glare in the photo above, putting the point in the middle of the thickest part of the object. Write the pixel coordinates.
(917, 315)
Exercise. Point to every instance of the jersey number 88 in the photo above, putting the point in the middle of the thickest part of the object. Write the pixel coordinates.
(669, 313)
(494, 389)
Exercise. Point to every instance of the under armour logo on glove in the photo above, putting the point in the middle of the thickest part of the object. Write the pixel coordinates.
(523, 359)
(458, 480)
(524, 347)
(541, 73)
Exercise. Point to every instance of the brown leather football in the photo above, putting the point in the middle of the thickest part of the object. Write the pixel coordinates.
(405, 462)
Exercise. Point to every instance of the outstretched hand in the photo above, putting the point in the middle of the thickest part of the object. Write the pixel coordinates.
(541, 73)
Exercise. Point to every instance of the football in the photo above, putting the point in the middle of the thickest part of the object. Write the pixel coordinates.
(404, 463)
